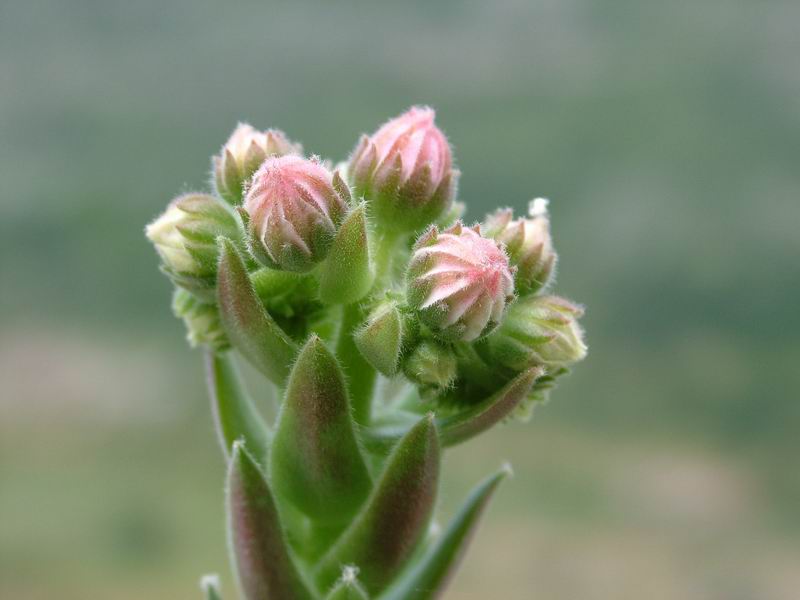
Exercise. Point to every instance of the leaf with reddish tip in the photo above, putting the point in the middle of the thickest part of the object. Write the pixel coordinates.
(346, 275)
(490, 411)
(429, 576)
(391, 524)
(315, 459)
(250, 328)
(235, 415)
(260, 554)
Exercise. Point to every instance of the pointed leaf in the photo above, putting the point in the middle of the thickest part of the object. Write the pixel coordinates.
(348, 587)
(261, 558)
(346, 274)
(390, 526)
(487, 413)
(380, 339)
(429, 576)
(249, 327)
(235, 415)
(468, 423)
(210, 586)
(316, 462)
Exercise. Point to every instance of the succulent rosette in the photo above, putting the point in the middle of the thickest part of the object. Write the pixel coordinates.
(405, 169)
(294, 210)
(241, 156)
(385, 353)
(459, 282)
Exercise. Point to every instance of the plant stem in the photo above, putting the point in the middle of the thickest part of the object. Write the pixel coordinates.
(360, 374)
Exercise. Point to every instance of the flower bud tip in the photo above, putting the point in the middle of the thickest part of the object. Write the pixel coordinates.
(538, 207)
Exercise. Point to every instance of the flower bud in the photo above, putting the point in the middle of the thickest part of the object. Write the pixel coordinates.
(243, 153)
(295, 207)
(432, 366)
(185, 238)
(539, 330)
(203, 327)
(404, 170)
(528, 243)
(459, 282)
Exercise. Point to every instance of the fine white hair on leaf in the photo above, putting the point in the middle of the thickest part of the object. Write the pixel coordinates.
(349, 573)
(538, 207)
(209, 581)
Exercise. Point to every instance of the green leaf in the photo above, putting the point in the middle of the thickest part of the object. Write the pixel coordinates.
(315, 461)
(348, 587)
(390, 526)
(429, 576)
(380, 339)
(210, 586)
(235, 415)
(249, 327)
(260, 555)
(487, 413)
(457, 428)
(346, 274)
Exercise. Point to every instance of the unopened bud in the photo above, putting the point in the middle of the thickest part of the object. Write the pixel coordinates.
(295, 206)
(432, 366)
(203, 327)
(539, 330)
(185, 238)
(459, 282)
(404, 170)
(243, 153)
(528, 243)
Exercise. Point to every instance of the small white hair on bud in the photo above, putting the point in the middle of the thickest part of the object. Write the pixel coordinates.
(238, 445)
(349, 573)
(209, 581)
(538, 207)
(507, 468)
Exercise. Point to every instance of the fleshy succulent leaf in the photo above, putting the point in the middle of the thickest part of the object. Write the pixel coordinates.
(478, 418)
(261, 557)
(391, 524)
(316, 462)
(380, 339)
(235, 416)
(346, 275)
(429, 576)
(250, 328)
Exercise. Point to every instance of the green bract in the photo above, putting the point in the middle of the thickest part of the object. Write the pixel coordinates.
(392, 332)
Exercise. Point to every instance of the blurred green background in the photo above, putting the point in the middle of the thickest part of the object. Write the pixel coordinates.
(667, 136)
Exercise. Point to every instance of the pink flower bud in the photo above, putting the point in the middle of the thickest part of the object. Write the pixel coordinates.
(405, 171)
(528, 243)
(295, 206)
(459, 282)
(243, 153)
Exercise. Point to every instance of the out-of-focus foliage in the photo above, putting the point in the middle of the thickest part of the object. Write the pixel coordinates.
(667, 137)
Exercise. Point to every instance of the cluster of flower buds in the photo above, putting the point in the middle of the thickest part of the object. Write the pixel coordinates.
(393, 331)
